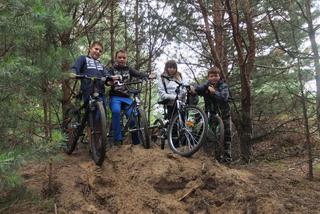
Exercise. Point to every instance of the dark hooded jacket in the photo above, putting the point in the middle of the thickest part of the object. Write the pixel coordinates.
(217, 102)
(90, 67)
(126, 73)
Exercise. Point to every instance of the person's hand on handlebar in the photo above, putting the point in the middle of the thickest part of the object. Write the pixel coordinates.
(70, 75)
(192, 90)
(152, 76)
(111, 79)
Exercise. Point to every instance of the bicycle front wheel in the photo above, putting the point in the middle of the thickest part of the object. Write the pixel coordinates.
(217, 132)
(98, 133)
(70, 127)
(187, 130)
(143, 131)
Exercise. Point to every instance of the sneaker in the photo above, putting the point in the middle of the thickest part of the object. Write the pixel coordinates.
(118, 143)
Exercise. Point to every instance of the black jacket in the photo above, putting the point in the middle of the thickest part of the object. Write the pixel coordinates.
(126, 73)
(217, 102)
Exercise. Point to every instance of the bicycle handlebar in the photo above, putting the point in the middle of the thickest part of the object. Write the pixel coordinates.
(187, 86)
(77, 76)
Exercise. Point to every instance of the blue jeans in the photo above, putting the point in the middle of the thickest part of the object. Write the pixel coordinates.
(116, 105)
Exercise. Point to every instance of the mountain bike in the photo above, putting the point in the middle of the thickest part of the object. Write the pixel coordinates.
(93, 115)
(186, 128)
(136, 117)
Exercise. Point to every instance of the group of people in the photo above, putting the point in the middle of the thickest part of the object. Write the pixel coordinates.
(215, 91)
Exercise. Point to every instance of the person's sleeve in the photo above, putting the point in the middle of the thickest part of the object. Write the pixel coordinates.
(78, 66)
(162, 92)
(223, 94)
(201, 89)
(137, 74)
(107, 72)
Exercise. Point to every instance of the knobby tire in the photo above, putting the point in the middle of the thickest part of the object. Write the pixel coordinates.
(143, 132)
(98, 133)
(70, 128)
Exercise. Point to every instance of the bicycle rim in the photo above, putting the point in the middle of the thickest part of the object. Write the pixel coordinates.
(98, 134)
(187, 133)
(70, 129)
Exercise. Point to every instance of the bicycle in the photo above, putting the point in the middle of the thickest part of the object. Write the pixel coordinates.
(140, 125)
(186, 128)
(93, 114)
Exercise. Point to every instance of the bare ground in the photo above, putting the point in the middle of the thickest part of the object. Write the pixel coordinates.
(135, 180)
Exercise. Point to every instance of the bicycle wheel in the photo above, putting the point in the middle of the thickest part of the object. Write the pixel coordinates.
(70, 128)
(98, 125)
(143, 132)
(217, 132)
(187, 130)
(161, 132)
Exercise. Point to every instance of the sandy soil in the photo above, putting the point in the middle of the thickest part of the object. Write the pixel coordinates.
(135, 180)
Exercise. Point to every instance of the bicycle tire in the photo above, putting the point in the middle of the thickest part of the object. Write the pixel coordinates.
(98, 125)
(143, 132)
(160, 124)
(218, 135)
(70, 128)
(187, 140)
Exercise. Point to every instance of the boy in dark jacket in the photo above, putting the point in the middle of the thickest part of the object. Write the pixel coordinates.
(216, 94)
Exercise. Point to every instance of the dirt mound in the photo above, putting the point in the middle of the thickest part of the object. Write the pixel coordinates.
(135, 180)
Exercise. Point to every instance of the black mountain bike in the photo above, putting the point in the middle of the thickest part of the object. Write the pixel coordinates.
(137, 115)
(94, 115)
(186, 128)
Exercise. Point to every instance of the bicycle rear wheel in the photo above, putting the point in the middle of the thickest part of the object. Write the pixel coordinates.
(98, 133)
(70, 128)
(160, 132)
(143, 132)
(187, 130)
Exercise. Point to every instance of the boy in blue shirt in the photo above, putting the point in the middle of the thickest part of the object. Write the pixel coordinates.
(90, 66)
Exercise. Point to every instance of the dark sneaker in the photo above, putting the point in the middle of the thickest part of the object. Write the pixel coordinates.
(118, 143)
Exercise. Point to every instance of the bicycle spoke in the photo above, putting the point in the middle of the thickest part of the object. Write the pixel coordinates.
(190, 129)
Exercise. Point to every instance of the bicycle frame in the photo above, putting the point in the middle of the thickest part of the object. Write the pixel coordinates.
(178, 104)
(137, 116)
(182, 130)
(135, 110)
(92, 102)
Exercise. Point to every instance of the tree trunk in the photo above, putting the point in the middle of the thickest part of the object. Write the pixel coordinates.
(46, 112)
(218, 14)
(136, 29)
(246, 66)
(316, 58)
(112, 30)
(306, 122)
(214, 55)
(66, 90)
